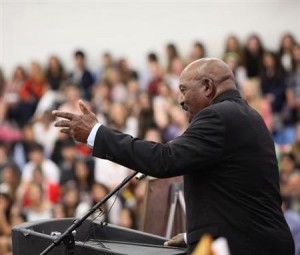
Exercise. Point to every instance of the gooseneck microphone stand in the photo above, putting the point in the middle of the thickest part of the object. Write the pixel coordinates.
(67, 237)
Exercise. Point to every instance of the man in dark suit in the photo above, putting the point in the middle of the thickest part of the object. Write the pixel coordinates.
(226, 155)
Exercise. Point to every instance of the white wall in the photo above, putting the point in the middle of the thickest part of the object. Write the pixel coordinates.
(32, 30)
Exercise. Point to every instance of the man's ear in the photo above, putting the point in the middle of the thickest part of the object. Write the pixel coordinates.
(209, 88)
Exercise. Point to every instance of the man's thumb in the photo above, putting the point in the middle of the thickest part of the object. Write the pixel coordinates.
(83, 107)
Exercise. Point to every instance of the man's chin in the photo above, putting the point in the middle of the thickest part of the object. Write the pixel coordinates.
(190, 116)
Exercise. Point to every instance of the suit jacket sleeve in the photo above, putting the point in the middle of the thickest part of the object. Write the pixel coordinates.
(198, 149)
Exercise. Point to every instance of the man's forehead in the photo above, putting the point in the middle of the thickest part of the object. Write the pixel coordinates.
(190, 74)
(185, 81)
(184, 78)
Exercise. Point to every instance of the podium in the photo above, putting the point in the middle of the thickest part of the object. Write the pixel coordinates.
(91, 238)
(158, 203)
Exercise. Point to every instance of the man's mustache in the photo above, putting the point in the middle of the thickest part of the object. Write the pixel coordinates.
(185, 107)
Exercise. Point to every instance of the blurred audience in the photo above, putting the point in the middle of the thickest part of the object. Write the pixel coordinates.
(55, 73)
(251, 91)
(38, 208)
(293, 221)
(295, 147)
(107, 63)
(81, 76)
(293, 86)
(109, 212)
(293, 191)
(198, 51)
(172, 54)
(233, 59)
(10, 180)
(30, 93)
(233, 46)
(273, 80)
(41, 170)
(45, 133)
(126, 72)
(5, 222)
(287, 166)
(285, 53)
(11, 93)
(153, 75)
(253, 55)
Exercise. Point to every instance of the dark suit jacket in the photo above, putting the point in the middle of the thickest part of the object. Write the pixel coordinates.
(230, 173)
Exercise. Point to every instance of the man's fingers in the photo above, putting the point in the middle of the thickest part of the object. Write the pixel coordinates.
(66, 131)
(65, 115)
(177, 241)
(170, 243)
(63, 123)
(84, 108)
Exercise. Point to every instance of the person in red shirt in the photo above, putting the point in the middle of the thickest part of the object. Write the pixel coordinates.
(30, 93)
(33, 89)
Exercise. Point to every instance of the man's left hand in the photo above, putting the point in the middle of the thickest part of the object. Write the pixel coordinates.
(177, 241)
(77, 126)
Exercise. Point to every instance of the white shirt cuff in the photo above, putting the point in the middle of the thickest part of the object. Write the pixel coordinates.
(92, 135)
(185, 238)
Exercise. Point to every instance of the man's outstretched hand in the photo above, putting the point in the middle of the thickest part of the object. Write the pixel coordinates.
(77, 126)
(177, 241)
